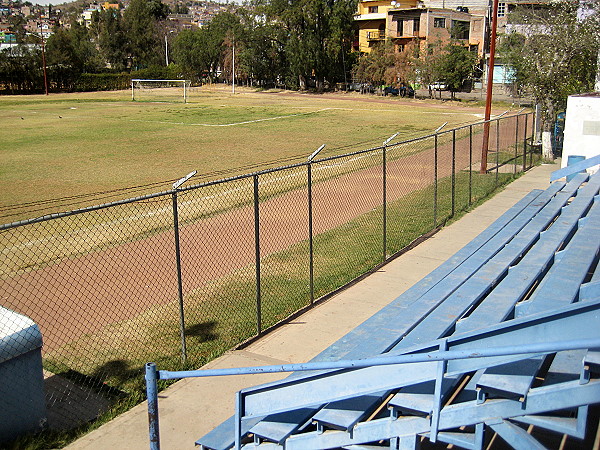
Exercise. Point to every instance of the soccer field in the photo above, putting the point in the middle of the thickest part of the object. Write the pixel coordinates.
(65, 145)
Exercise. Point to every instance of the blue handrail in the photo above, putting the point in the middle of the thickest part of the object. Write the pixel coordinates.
(153, 375)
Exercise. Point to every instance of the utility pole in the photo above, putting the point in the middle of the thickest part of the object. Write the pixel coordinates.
(166, 51)
(490, 84)
(233, 68)
(44, 59)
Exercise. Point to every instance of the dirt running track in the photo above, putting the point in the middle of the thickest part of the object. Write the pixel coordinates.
(83, 295)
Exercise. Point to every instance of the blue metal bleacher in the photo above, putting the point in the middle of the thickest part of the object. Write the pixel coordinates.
(532, 277)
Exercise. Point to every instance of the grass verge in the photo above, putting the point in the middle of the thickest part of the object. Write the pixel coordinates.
(222, 313)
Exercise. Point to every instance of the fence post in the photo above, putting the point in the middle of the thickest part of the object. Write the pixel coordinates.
(257, 253)
(384, 182)
(516, 144)
(470, 164)
(435, 180)
(179, 280)
(497, 148)
(152, 396)
(525, 144)
(384, 156)
(311, 274)
(453, 171)
(176, 186)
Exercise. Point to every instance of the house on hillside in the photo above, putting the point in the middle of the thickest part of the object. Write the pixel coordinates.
(371, 20)
(424, 26)
(182, 21)
(108, 5)
(86, 15)
(406, 21)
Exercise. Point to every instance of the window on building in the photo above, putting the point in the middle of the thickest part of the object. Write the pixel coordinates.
(416, 26)
(373, 9)
(400, 27)
(460, 29)
(439, 22)
(501, 9)
(400, 48)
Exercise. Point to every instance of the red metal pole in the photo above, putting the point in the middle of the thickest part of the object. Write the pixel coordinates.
(490, 83)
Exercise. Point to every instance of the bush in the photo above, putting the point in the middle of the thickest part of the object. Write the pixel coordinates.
(170, 72)
(102, 82)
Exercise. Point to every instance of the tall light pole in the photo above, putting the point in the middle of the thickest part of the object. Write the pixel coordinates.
(44, 58)
(166, 51)
(167, 48)
(490, 84)
(233, 68)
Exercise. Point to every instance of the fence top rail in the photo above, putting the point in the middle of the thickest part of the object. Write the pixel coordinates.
(205, 184)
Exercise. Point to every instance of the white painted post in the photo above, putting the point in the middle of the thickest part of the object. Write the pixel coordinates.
(233, 69)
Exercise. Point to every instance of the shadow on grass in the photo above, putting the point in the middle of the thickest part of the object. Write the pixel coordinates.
(202, 332)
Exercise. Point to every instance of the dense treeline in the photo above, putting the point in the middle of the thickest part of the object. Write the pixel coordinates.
(298, 43)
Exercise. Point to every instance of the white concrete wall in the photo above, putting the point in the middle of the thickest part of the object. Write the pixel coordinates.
(582, 127)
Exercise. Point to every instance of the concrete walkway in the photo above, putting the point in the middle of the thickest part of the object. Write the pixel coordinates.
(192, 407)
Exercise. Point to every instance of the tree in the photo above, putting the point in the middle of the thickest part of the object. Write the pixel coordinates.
(140, 20)
(553, 52)
(376, 67)
(17, 25)
(317, 33)
(227, 30)
(193, 50)
(263, 55)
(204, 50)
(111, 37)
(21, 69)
(69, 53)
(427, 64)
(455, 67)
(383, 65)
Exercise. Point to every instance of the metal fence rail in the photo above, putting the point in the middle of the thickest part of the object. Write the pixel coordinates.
(435, 358)
(180, 276)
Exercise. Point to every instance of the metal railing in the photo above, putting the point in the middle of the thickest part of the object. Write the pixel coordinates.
(439, 357)
(183, 275)
(375, 35)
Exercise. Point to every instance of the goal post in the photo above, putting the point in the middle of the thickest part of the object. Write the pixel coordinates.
(159, 90)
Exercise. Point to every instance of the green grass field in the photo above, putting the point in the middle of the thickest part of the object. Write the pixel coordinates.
(65, 145)
(75, 144)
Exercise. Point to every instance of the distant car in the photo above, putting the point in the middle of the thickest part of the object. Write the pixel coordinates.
(437, 86)
(406, 91)
(360, 87)
(402, 91)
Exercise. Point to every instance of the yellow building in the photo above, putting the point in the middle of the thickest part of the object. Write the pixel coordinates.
(408, 22)
(107, 5)
(372, 19)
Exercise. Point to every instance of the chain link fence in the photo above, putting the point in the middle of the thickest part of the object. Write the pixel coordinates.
(179, 277)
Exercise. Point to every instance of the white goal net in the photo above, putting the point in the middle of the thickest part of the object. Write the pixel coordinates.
(160, 90)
